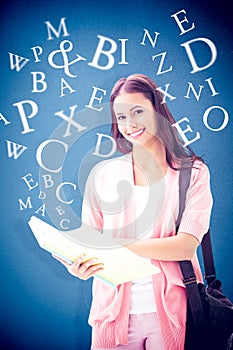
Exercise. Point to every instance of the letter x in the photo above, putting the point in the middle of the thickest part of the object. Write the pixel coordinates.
(70, 121)
(165, 93)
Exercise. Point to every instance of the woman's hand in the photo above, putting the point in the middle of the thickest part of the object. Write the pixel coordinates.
(81, 267)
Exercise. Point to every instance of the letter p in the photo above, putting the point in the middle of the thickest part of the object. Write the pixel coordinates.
(24, 118)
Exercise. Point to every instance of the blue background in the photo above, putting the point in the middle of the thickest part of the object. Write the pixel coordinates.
(42, 306)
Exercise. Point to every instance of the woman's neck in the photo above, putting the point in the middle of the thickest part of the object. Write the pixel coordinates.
(149, 163)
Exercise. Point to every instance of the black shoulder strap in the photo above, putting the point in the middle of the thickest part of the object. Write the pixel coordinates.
(207, 251)
(186, 266)
(208, 258)
(184, 181)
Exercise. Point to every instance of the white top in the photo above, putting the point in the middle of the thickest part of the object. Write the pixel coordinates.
(146, 198)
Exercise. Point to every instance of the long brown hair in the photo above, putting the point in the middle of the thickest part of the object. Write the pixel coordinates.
(176, 153)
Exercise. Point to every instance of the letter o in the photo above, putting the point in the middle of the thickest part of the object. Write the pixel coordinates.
(206, 115)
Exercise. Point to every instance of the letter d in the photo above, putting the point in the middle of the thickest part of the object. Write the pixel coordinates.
(191, 57)
(98, 144)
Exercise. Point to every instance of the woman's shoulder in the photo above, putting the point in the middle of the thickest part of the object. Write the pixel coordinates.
(200, 167)
(199, 170)
(200, 173)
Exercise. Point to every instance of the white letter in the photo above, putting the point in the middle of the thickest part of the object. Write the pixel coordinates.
(37, 80)
(4, 119)
(39, 154)
(194, 91)
(58, 192)
(26, 205)
(123, 61)
(70, 121)
(213, 50)
(60, 210)
(214, 92)
(183, 31)
(163, 55)
(40, 50)
(42, 195)
(113, 150)
(57, 33)
(48, 181)
(23, 116)
(15, 149)
(62, 224)
(42, 209)
(28, 181)
(17, 62)
(165, 93)
(108, 53)
(183, 132)
(93, 98)
(147, 34)
(65, 85)
(225, 121)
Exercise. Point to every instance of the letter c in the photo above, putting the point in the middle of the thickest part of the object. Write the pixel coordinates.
(50, 155)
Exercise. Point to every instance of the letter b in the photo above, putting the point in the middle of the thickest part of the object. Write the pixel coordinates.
(38, 80)
(107, 53)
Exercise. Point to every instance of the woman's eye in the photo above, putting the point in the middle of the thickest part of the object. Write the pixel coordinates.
(121, 117)
(138, 111)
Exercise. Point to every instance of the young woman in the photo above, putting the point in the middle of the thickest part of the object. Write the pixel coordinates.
(148, 313)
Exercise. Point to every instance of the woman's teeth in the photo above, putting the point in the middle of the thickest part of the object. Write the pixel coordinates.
(137, 133)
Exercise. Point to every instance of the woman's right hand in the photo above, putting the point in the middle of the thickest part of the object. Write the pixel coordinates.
(81, 267)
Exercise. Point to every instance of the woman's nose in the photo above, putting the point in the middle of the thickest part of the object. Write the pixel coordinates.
(132, 122)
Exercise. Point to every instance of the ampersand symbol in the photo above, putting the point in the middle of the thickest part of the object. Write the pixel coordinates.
(64, 51)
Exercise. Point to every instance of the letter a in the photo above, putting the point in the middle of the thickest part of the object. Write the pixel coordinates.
(6, 122)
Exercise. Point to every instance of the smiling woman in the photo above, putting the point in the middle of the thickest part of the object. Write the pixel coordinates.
(140, 96)
(154, 156)
(137, 123)
(135, 116)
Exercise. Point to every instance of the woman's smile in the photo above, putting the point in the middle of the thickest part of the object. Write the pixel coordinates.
(136, 118)
(136, 134)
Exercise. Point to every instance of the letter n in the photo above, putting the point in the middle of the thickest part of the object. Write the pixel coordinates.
(147, 34)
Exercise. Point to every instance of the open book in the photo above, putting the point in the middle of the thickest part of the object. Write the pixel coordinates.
(120, 264)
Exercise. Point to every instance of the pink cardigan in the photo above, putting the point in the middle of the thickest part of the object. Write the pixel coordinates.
(104, 209)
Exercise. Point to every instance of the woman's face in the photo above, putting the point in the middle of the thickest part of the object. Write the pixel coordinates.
(136, 118)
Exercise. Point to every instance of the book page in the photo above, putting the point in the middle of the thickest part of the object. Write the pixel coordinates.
(120, 264)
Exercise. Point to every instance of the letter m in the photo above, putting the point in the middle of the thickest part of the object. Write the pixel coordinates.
(26, 205)
(57, 32)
